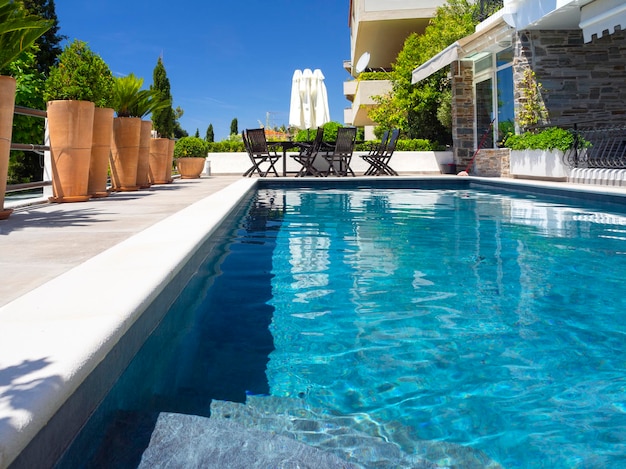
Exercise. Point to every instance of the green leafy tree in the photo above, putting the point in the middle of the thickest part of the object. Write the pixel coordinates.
(197, 134)
(234, 130)
(163, 120)
(414, 108)
(179, 132)
(49, 44)
(26, 166)
(80, 74)
(210, 134)
(18, 31)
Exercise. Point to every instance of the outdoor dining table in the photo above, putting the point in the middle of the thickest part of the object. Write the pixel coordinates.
(287, 145)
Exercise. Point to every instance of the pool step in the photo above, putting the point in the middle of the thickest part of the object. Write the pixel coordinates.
(355, 438)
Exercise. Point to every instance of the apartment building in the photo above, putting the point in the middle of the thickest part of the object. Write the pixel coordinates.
(378, 29)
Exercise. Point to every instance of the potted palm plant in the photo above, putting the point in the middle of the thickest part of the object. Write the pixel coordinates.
(18, 31)
(79, 81)
(126, 133)
(147, 102)
(190, 154)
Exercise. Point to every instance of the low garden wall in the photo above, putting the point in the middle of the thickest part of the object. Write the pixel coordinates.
(422, 162)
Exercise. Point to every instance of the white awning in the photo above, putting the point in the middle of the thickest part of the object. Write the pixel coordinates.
(436, 63)
(602, 15)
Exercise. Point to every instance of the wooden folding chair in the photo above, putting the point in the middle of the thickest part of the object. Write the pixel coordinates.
(307, 155)
(340, 156)
(379, 161)
(260, 153)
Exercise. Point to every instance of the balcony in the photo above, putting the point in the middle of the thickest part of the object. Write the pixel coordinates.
(363, 100)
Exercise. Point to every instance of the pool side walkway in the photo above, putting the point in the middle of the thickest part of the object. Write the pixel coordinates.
(75, 278)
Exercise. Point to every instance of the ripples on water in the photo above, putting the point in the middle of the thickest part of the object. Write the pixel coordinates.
(486, 320)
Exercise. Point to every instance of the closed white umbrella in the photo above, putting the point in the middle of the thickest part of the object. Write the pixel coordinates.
(320, 105)
(306, 98)
(296, 118)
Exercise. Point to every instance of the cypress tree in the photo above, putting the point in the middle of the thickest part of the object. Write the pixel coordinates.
(49, 42)
(234, 127)
(210, 135)
(163, 120)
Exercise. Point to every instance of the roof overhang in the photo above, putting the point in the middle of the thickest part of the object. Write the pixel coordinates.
(602, 15)
(493, 35)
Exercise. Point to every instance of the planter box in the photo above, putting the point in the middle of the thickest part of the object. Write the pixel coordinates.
(539, 164)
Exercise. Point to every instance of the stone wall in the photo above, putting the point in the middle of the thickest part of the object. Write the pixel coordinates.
(462, 112)
(583, 83)
(492, 162)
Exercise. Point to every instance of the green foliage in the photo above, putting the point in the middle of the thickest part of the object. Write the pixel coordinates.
(26, 166)
(190, 147)
(414, 144)
(548, 139)
(226, 146)
(413, 108)
(532, 110)
(80, 75)
(210, 134)
(373, 76)
(234, 130)
(126, 95)
(49, 42)
(163, 120)
(18, 30)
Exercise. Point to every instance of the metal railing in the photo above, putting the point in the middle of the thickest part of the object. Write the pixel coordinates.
(598, 148)
(38, 149)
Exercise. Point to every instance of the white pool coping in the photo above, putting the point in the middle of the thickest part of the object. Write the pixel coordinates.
(52, 338)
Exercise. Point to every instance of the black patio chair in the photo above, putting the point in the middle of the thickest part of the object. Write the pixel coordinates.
(375, 151)
(260, 152)
(340, 156)
(379, 160)
(308, 154)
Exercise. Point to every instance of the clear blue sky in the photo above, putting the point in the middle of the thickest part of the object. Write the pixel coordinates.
(224, 60)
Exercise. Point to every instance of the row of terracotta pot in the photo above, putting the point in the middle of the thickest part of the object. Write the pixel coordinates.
(86, 141)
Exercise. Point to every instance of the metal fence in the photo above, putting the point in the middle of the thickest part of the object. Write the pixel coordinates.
(601, 148)
(27, 147)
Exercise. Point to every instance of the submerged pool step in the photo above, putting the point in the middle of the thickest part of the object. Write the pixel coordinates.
(354, 438)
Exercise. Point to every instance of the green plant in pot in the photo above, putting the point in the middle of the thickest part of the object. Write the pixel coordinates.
(190, 154)
(18, 31)
(76, 85)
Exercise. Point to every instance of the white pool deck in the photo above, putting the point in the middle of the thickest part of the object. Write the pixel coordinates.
(75, 277)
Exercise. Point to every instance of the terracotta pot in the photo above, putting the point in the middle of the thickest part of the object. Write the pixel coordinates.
(170, 161)
(125, 153)
(7, 107)
(159, 159)
(143, 166)
(100, 152)
(70, 125)
(190, 167)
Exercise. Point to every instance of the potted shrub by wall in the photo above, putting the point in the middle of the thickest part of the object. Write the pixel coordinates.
(75, 84)
(540, 154)
(190, 154)
(18, 30)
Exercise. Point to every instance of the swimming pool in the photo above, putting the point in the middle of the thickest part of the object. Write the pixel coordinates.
(431, 318)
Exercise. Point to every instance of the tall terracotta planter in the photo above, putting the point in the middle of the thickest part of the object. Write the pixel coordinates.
(143, 166)
(159, 158)
(7, 107)
(100, 152)
(125, 153)
(70, 124)
(170, 161)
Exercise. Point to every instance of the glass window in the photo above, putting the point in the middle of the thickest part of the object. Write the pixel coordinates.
(506, 105)
(484, 112)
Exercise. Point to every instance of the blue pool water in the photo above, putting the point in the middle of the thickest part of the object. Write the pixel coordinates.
(460, 317)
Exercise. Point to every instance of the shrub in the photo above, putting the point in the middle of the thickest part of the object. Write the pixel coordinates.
(81, 75)
(190, 147)
(548, 139)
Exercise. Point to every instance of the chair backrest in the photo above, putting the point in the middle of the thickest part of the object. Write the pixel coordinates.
(380, 148)
(317, 143)
(256, 141)
(391, 143)
(244, 139)
(346, 136)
